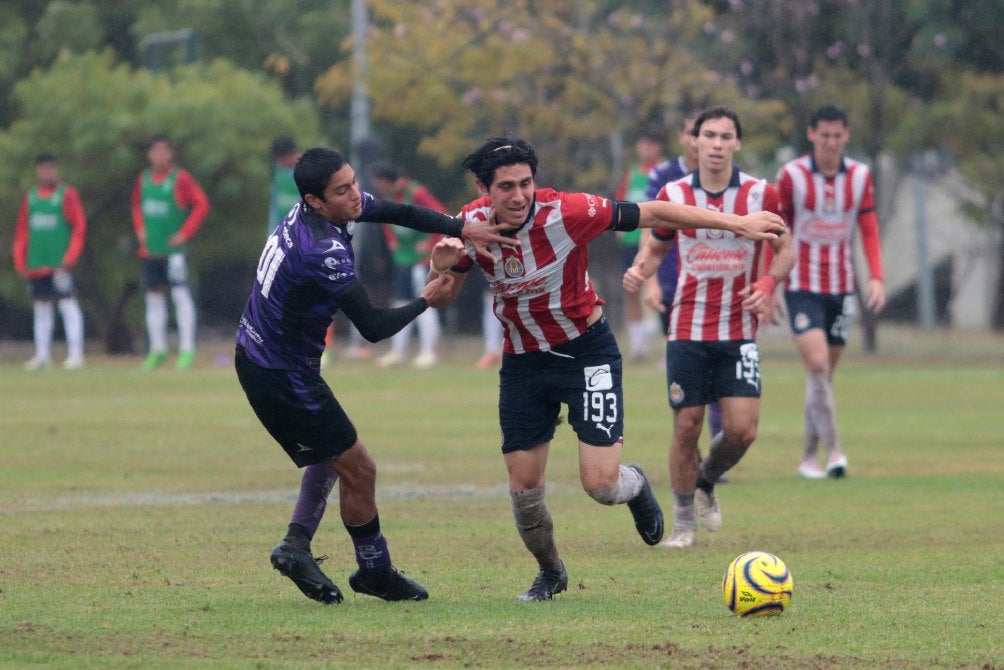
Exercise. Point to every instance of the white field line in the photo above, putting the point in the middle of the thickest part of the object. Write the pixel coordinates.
(155, 499)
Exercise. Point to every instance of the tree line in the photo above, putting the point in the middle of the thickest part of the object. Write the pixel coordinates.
(91, 81)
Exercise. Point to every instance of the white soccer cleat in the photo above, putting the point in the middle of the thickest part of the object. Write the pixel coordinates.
(424, 361)
(837, 466)
(36, 364)
(74, 363)
(390, 360)
(708, 510)
(809, 470)
(680, 538)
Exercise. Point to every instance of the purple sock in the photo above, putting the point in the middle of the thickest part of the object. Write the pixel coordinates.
(372, 554)
(714, 418)
(315, 487)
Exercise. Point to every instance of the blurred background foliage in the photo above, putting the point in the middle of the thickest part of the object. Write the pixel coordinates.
(91, 81)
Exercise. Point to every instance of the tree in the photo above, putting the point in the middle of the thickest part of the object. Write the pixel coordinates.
(575, 78)
(222, 121)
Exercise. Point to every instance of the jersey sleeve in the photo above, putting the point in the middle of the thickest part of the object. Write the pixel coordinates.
(784, 188)
(868, 225)
(586, 216)
(188, 194)
(21, 237)
(73, 210)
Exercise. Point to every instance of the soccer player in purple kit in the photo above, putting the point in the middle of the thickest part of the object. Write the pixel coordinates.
(306, 273)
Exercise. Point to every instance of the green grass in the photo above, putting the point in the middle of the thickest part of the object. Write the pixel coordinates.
(137, 512)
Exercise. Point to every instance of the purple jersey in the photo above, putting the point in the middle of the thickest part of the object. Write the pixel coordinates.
(307, 263)
(669, 269)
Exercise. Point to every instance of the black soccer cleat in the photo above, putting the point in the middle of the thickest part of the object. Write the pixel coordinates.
(301, 567)
(547, 584)
(646, 511)
(390, 586)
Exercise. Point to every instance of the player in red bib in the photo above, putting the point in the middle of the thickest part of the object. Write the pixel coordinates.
(558, 348)
(825, 197)
(711, 352)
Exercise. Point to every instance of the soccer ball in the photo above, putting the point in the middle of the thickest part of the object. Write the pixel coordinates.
(757, 584)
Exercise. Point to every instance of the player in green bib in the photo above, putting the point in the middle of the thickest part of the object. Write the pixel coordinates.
(648, 148)
(284, 192)
(410, 251)
(168, 208)
(48, 239)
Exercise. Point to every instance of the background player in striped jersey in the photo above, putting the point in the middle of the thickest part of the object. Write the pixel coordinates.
(711, 352)
(48, 239)
(825, 196)
(305, 275)
(558, 347)
(661, 287)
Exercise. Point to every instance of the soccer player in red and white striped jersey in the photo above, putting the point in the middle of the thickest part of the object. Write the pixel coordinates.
(711, 352)
(825, 198)
(558, 348)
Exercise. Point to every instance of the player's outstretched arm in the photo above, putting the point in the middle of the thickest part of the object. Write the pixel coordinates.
(673, 216)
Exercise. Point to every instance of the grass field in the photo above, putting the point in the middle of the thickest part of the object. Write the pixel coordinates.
(137, 513)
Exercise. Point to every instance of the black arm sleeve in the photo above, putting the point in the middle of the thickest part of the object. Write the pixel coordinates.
(412, 216)
(374, 323)
(626, 216)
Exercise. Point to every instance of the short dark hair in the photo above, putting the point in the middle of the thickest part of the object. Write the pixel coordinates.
(828, 113)
(45, 157)
(718, 112)
(282, 146)
(158, 137)
(314, 168)
(385, 170)
(498, 152)
(654, 132)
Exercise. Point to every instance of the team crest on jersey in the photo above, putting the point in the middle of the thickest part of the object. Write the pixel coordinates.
(513, 267)
(675, 393)
(801, 321)
(829, 198)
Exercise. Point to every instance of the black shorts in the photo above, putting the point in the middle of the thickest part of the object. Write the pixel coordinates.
(585, 374)
(698, 373)
(164, 271)
(56, 286)
(831, 313)
(298, 409)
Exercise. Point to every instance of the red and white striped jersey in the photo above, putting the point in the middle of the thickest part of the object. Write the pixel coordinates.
(823, 213)
(715, 265)
(543, 294)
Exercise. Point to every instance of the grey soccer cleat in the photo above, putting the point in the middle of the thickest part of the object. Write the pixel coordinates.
(646, 511)
(547, 584)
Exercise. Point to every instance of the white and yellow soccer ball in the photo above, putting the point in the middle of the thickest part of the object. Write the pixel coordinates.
(757, 584)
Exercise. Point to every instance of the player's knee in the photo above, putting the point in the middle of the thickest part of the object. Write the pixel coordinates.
(741, 437)
(606, 495)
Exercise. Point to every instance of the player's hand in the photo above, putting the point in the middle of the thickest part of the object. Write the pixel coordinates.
(445, 254)
(176, 240)
(482, 233)
(762, 226)
(634, 277)
(653, 294)
(438, 291)
(757, 297)
(876, 296)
